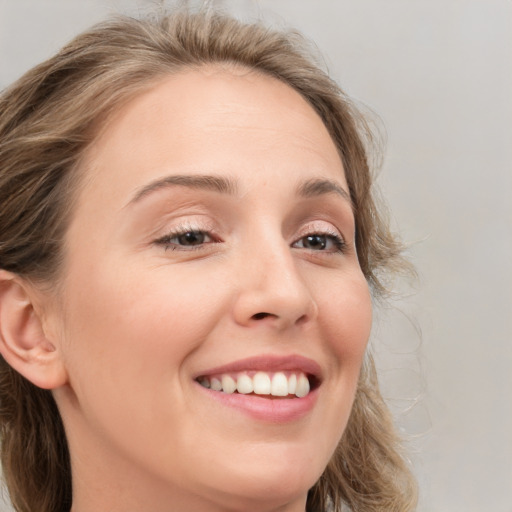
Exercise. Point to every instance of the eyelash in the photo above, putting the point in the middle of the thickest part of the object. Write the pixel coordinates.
(337, 240)
(166, 241)
(179, 231)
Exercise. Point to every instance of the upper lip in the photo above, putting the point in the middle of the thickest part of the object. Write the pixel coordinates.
(268, 363)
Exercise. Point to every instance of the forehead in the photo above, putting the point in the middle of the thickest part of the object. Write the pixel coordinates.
(213, 119)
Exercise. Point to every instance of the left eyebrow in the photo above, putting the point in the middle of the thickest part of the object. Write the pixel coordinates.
(320, 186)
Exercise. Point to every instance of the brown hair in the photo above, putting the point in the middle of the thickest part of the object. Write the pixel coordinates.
(47, 120)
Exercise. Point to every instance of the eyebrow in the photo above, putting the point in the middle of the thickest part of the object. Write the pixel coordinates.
(311, 188)
(320, 186)
(219, 184)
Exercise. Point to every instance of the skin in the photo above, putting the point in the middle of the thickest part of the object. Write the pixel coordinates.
(139, 315)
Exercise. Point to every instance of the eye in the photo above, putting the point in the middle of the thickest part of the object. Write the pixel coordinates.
(191, 238)
(185, 239)
(328, 242)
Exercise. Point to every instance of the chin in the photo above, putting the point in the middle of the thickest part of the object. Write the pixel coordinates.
(271, 484)
(260, 496)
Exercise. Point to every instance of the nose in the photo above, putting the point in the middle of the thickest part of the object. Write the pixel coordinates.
(272, 290)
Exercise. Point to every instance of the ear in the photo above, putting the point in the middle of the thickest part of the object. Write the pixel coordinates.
(23, 341)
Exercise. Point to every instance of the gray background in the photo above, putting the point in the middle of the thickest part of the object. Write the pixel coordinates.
(439, 74)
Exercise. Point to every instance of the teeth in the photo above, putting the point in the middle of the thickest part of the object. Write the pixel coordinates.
(279, 385)
(262, 383)
(302, 386)
(205, 382)
(292, 384)
(244, 384)
(216, 384)
(228, 384)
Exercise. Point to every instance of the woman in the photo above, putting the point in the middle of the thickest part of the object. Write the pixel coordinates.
(189, 241)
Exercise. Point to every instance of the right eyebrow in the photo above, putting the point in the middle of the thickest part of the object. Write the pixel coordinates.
(219, 184)
(321, 186)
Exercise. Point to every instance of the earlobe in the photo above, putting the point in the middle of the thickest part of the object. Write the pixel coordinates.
(23, 341)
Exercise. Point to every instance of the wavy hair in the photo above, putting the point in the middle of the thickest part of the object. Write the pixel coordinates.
(47, 120)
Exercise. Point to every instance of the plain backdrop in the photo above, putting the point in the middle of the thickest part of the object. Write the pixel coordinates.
(439, 75)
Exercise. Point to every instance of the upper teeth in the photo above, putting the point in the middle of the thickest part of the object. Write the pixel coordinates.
(261, 383)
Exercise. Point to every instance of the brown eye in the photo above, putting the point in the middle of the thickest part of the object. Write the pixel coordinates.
(321, 242)
(190, 238)
(186, 239)
(316, 242)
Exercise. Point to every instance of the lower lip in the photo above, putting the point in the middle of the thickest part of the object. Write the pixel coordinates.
(271, 410)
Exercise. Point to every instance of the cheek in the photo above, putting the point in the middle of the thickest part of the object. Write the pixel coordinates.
(130, 339)
(346, 315)
(133, 328)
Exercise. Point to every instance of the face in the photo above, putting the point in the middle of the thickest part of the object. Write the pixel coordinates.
(213, 314)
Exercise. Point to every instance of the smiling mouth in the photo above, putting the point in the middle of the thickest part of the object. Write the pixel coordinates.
(282, 384)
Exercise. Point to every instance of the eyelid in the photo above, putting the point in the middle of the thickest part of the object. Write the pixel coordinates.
(321, 227)
(183, 227)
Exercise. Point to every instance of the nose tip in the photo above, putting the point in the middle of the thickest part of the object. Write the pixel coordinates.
(277, 296)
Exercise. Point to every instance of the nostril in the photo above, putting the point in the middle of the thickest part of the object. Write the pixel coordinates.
(261, 316)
